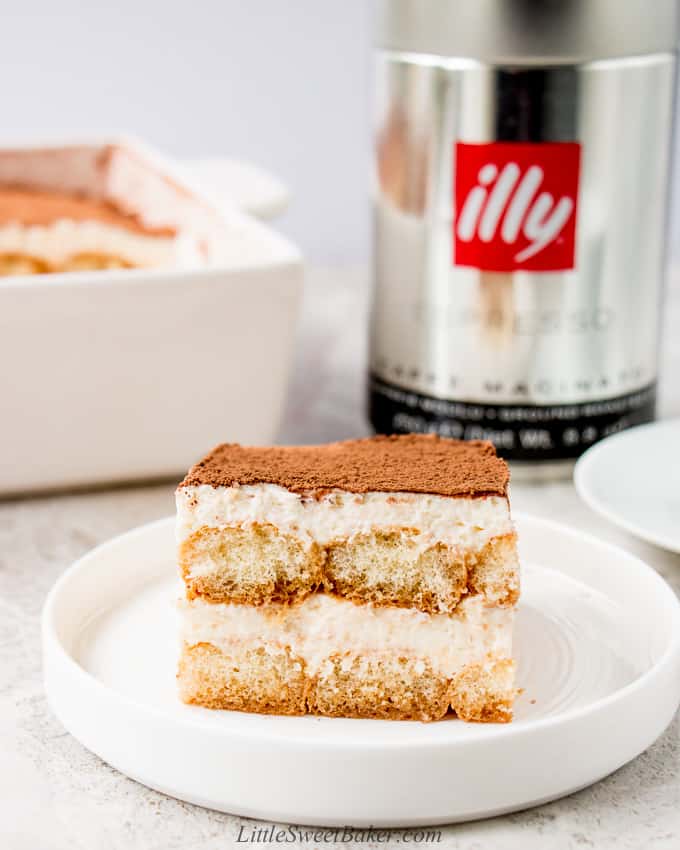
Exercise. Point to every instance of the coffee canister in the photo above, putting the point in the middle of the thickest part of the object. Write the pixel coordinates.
(521, 190)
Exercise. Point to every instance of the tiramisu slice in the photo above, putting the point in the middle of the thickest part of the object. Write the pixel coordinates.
(372, 578)
(48, 231)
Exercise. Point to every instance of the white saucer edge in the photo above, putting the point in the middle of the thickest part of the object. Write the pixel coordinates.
(583, 469)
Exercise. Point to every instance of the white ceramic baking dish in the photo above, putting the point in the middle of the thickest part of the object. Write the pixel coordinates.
(130, 375)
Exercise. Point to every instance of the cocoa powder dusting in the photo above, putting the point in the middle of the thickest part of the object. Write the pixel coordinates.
(33, 207)
(409, 463)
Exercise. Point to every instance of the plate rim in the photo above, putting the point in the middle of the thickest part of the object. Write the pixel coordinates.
(588, 461)
(51, 641)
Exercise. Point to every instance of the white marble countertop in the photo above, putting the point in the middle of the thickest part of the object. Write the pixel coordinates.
(55, 795)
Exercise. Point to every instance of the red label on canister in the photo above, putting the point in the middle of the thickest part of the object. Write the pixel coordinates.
(515, 205)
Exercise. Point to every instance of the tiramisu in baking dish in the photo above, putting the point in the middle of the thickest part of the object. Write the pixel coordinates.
(83, 208)
(158, 280)
(375, 578)
(54, 232)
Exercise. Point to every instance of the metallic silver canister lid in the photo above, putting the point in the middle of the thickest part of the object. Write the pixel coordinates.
(529, 31)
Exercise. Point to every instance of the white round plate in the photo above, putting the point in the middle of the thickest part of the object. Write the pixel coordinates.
(598, 643)
(633, 480)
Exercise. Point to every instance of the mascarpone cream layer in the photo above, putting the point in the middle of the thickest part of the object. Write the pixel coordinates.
(456, 521)
(323, 625)
(56, 243)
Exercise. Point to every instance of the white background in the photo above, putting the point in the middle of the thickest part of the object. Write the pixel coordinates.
(284, 83)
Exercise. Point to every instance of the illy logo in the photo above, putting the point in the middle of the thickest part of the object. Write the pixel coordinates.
(516, 205)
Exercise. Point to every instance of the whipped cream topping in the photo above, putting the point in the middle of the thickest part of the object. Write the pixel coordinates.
(65, 238)
(338, 514)
(324, 625)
